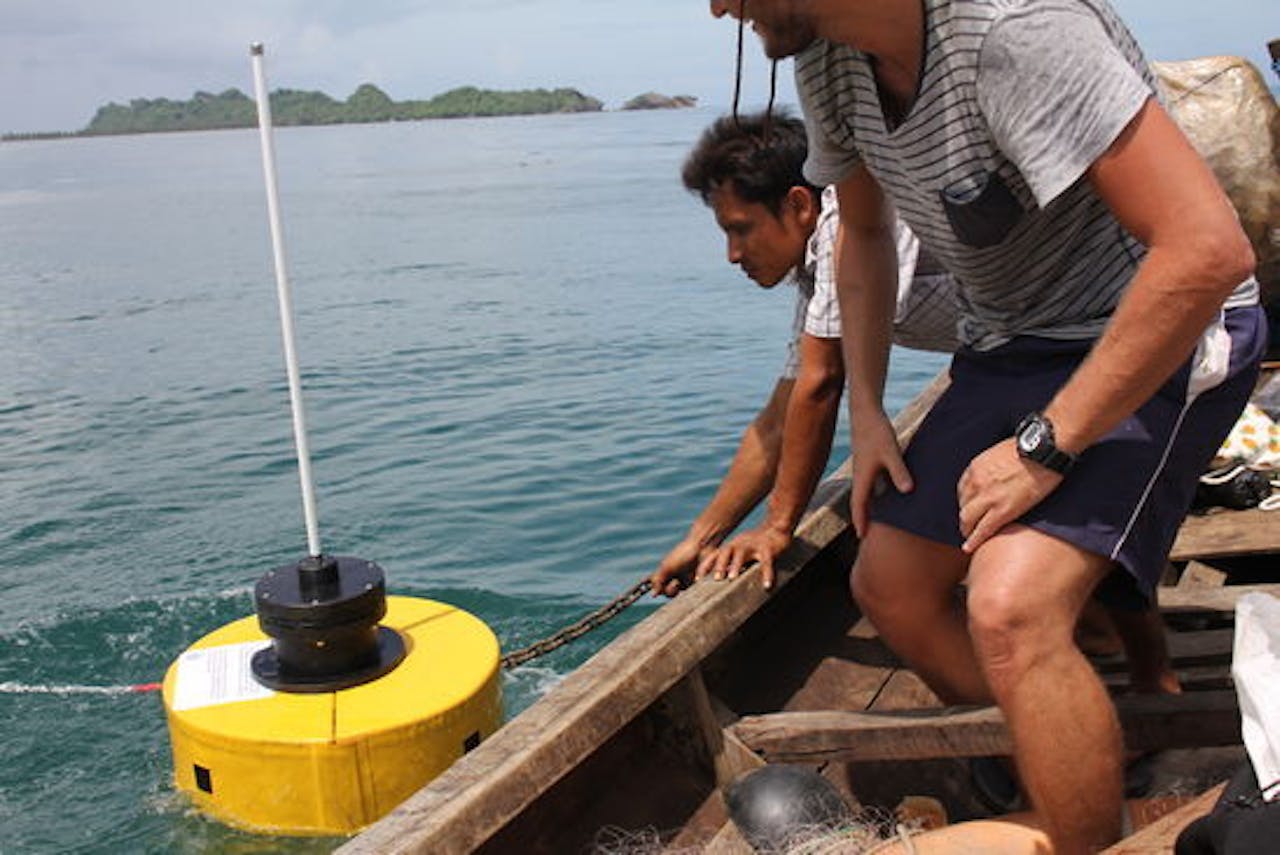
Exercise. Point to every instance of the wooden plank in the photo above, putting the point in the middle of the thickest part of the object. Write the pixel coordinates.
(849, 736)
(730, 757)
(693, 835)
(1190, 720)
(491, 785)
(728, 841)
(904, 691)
(1196, 573)
(1158, 837)
(1227, 533)
(1149, 722)
(1192, 679)
(1206, 647)
(1209, 599)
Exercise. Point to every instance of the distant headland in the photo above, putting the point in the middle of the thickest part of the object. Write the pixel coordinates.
(654, 101)
(205, 111)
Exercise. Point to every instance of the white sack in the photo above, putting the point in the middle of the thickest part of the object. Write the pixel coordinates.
(1256, 670)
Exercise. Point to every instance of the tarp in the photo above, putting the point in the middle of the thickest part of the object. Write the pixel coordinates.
(1224, 107)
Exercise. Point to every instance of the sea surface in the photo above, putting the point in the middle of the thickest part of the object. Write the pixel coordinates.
(525, 363)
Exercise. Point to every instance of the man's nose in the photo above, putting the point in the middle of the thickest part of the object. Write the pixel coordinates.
(734, 251)
(720, 8)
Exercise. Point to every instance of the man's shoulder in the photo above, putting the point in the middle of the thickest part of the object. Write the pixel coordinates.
(822, 60)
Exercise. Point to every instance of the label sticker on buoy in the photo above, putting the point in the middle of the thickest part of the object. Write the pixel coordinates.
(218, 675)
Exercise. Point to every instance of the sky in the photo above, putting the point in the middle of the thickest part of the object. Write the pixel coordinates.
(62, 59)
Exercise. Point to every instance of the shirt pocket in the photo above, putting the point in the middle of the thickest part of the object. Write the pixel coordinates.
(981, 208)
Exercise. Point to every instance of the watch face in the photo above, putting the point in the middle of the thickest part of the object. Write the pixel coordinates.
(1031, 435)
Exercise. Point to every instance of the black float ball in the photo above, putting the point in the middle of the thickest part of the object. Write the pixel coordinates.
(774, 805)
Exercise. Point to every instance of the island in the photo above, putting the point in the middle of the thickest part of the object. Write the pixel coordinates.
(234, 109)
(654, 101)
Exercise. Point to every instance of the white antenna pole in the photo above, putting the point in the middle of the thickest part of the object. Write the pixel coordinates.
(286, 301)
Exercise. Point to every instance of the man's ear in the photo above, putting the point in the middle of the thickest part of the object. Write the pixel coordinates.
(804, 204)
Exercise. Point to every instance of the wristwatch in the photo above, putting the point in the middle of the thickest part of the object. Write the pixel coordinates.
(1035, 442)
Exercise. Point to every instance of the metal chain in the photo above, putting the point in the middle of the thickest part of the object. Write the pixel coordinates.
(597, 618)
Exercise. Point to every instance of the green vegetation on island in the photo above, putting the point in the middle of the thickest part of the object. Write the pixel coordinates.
(234, 109)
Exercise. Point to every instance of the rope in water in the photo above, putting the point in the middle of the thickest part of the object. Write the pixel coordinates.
(575, 630)
(65, 689)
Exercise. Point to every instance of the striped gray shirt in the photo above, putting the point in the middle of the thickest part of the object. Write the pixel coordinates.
(1017, 98)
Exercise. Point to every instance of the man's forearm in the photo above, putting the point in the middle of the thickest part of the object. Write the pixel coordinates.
(1154, 330)
(866, 287)
(751, 473)
(806, 438)
(749, 479)
(1164, 194)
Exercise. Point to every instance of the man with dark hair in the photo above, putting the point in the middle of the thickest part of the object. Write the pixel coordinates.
(779, 227)
(1109, 333)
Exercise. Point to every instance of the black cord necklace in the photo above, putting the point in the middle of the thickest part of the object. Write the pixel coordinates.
(737, 78)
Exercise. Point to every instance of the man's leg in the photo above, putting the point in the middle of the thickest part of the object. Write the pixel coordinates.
(1139, 634)
(1147, 649)
(1096, 633)
(906, 586)
(1026, 591)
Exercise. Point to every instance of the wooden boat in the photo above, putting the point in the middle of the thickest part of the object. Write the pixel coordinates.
(726, 677)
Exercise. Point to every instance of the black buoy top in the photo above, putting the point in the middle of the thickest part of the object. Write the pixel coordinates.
(320, 591)
(322, 616)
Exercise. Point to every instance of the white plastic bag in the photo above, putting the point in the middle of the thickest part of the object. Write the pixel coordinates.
(1256, 670)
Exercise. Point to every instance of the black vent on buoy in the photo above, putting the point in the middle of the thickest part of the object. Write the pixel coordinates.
(322, 616)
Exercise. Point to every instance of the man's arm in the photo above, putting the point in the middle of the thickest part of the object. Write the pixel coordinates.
(1165, 195)
(806, 445)
(866, 285)
(750, 476)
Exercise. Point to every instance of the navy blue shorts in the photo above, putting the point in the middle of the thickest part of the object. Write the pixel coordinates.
(1127, 494)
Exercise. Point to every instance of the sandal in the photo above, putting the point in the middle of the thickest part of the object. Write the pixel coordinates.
(996, 782)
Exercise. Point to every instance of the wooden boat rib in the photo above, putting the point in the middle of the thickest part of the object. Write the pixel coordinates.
(727, 677)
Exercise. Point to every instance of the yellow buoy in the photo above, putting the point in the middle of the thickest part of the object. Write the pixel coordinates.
(320, 761)
(315, 718)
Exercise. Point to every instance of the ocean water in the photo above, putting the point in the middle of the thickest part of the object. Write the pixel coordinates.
(525, 365)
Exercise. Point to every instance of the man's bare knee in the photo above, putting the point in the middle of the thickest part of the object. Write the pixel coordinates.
(1026, 590)
(1013, 633)
(895, 578)
(871, 580)
(1006, 635)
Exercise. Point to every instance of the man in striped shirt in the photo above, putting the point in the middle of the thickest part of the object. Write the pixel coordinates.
(1109, 336)
(779, 228)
